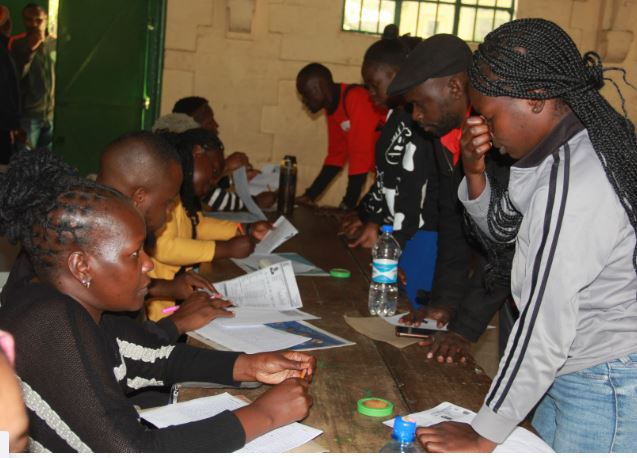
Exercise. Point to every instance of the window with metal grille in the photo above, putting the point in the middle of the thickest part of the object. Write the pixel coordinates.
(471, 20)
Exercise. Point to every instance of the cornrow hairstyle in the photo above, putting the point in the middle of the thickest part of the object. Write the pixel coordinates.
(188, 105)
(185, 142)
(315, 70)
(46, 205)
(535, 59)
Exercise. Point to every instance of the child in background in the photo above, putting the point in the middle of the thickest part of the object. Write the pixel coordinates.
(189, 237)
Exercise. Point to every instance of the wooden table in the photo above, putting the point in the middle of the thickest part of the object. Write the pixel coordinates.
(368, 368)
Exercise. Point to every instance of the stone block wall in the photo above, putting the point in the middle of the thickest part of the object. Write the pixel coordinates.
(243, 56)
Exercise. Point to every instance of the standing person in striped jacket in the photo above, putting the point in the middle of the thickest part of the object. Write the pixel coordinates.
(570, 210)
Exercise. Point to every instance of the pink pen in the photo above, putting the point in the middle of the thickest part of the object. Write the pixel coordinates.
(170, 309)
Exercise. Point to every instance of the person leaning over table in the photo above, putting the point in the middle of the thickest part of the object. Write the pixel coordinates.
(353, 126)
(569, 207)
(434, 80)
(405, 191)
(78, 354)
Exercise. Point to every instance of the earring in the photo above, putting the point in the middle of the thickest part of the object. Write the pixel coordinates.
(86, 282)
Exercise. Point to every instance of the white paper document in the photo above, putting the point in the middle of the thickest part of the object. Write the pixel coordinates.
(426, 324)
(282, 231)
(271, 288)
(267, 180)
(277, 441)
(300, 265)
(247, 316)
(248, 339)
(240, 181)
(519, 441)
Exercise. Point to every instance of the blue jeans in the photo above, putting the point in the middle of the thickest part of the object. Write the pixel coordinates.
(592, 410)
(39, 132)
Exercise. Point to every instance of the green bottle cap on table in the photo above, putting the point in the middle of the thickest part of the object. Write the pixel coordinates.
(340, 273)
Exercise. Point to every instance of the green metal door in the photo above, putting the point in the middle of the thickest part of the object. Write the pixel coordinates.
(109, 56)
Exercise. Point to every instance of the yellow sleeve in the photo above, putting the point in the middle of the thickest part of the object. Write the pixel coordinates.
(215, 229)
(175, 245)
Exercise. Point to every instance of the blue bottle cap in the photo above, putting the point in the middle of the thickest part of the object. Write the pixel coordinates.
(387, 228)
(404, 429)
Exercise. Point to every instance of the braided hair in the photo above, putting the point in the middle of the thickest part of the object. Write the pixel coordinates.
(184, 143)
(535, 59)
(46, 206)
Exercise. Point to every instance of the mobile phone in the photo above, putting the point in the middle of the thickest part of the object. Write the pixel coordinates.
(418, 333)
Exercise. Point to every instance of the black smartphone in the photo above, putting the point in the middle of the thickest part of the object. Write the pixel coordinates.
(418, 333)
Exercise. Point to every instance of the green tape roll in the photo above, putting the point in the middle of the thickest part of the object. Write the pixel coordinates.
(340, 273)
(375, 407)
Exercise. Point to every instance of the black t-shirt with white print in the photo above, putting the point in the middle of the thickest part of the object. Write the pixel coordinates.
(405, 192)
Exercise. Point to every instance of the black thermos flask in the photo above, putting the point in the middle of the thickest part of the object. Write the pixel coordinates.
(287, 185)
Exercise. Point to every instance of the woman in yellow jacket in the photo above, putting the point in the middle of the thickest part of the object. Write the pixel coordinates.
(189, 237)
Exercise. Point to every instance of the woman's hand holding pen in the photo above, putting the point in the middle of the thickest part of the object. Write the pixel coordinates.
(274, 367)
(198, 310)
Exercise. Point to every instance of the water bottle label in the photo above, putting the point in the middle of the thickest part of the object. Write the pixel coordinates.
(384, 270)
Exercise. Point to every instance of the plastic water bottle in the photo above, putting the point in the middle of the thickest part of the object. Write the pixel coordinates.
(383, 290)
(403, 437)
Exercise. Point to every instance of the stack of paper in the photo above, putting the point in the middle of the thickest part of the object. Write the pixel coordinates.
(266, 315)
(520, 440)
(265, 296)
(277, 441)
(271, 288)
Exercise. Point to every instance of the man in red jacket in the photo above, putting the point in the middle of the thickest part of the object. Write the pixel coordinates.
(353, 126)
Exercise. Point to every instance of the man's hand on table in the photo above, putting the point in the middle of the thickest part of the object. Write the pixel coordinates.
(306, 200)
(198, 310)
(350, 224)
(416, 317)
(451, 436)
(274, 367)
(368, 237)
(447, 346)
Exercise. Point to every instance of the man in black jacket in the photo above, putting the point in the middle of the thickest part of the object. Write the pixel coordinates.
(434, 80)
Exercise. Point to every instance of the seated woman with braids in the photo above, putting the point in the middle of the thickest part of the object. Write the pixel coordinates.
(77, 355)
(189, 237)
(570, 210)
